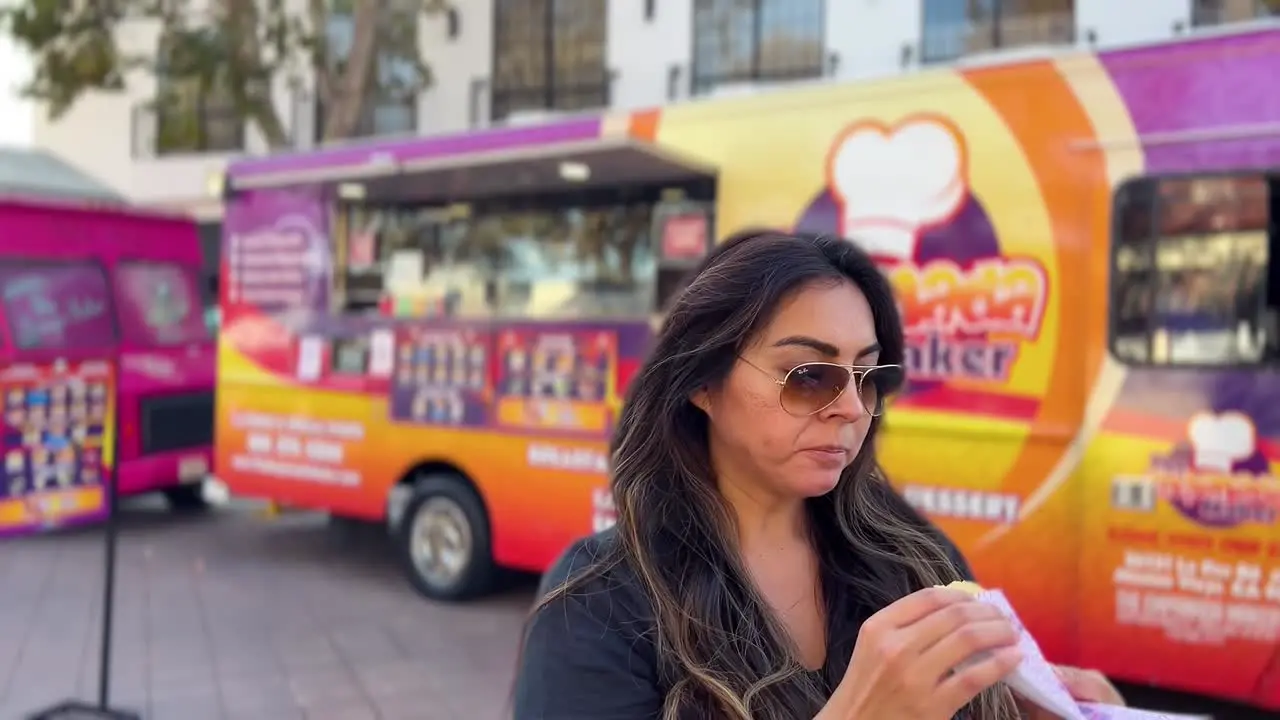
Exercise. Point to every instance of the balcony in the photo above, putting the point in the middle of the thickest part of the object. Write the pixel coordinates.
(1207, 13)
(193, 128)
(947, 42)
(705, 81)
(496, 103)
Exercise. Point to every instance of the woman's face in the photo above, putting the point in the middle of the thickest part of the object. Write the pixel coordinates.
(754, 441)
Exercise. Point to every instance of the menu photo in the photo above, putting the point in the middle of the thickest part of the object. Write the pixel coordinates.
(52, 438)
(553, 378)
(441, 376)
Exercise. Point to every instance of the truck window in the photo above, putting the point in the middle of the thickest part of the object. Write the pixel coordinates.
(562, 262)
(1191, 260)
(57, 306)
(160, 303)
(571, 262)
(401, 259)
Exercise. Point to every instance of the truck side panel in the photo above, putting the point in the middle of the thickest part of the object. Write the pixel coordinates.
(1182, 549)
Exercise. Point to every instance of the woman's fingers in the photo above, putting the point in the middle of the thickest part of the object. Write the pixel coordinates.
(963, 650)
(1089, 686)
(943, 623)
(965, 684)
(919, 605)
(968, 643)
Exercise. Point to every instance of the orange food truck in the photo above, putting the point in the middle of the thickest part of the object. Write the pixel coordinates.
(437, 332)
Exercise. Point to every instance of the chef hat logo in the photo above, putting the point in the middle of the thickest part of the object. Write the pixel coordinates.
(1218, 442)
(892, 182)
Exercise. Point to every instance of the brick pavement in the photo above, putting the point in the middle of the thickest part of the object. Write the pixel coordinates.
(236, 617)
(233, 617)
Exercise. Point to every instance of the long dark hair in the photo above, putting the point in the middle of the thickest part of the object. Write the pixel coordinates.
(722, 652)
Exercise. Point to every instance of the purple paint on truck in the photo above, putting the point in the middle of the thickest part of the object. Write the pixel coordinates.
(1205, 106)
(1202, 104)
(276, 254)
(419, 149)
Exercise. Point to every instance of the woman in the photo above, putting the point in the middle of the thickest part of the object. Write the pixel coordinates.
(761, 567)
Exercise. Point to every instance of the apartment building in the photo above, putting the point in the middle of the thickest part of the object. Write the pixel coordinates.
(503, 60)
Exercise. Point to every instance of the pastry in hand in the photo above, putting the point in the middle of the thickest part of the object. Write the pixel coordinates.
(965, 586)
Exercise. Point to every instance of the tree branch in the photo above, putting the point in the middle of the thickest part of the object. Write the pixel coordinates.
(235, 50)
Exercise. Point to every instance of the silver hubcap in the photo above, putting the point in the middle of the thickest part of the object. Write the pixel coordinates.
(441, 538)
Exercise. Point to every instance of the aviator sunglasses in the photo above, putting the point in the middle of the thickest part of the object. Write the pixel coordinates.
(812, 387)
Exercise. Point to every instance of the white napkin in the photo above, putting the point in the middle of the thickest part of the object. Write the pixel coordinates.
(1035, 680)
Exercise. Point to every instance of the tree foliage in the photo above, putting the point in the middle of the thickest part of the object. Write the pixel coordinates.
(234, 50)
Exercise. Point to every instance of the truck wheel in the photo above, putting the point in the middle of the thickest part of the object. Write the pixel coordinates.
(443, 541)
(186, 498)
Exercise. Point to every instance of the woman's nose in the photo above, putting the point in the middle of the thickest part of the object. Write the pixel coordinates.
(848, 406)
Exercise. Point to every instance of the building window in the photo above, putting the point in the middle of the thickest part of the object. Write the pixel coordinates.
(752, 40)
(954, 28)
(1192, 278)
(549, 55)
(194, 112)
(392, 105)
(1222, 12)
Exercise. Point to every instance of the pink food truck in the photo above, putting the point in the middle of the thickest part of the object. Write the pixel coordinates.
(101, 332)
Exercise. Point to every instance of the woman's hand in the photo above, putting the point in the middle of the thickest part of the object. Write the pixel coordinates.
(1089, 686)
(925, 657)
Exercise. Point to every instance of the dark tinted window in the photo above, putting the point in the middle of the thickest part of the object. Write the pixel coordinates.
(1191, 258)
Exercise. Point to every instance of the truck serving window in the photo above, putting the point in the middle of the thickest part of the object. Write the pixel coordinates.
(1192, 281)
(572, 262)
(407, 261)
(57, 306)
(160, 303)
(521, 262)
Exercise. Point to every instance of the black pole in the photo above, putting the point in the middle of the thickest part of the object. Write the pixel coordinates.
(109, 571)
(997, 20)
(549, 52)
(757, 37)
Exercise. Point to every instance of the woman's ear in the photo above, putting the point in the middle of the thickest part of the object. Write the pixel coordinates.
(701, 399)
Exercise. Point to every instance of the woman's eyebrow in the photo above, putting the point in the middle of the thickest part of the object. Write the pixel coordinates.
(823, 347)
(868, 350)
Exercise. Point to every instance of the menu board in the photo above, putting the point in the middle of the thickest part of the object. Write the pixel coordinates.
(53, 443)
(268, 269)
(684, 237)
(442, 376)
(556, 379)
(277, 255)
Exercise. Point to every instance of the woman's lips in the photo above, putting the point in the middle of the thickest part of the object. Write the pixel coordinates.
(832, 456)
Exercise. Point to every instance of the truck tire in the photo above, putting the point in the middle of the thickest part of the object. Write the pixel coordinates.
(443, 542)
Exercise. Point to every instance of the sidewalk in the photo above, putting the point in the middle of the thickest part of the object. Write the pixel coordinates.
(235, 617)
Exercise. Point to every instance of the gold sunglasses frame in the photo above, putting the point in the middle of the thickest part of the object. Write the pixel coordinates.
(857, 375)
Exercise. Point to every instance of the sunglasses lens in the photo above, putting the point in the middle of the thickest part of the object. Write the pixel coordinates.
(877, 385)
(812, 387)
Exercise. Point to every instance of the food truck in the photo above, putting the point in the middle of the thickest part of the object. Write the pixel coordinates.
(437, 332)
(103, 349)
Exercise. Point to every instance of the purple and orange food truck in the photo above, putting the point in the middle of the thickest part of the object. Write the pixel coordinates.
(437, 332)
(101, 332)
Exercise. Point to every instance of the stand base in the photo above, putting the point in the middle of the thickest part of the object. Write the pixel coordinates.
(76, 710)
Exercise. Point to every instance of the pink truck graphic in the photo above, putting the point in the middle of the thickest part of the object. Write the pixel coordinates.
(101, 334)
